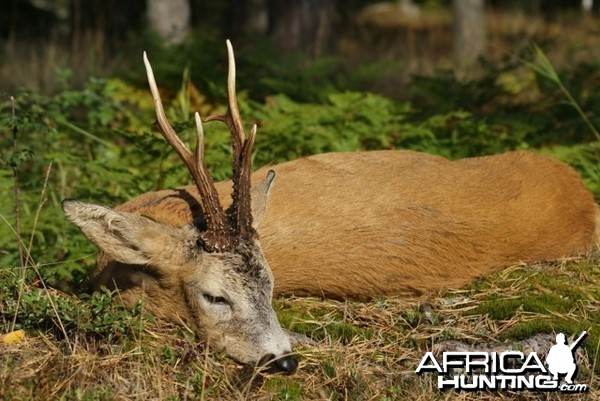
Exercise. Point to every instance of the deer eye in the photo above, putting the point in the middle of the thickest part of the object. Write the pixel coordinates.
(215, 300)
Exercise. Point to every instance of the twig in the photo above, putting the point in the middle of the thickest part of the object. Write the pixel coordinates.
(39, 209)
(16, 186)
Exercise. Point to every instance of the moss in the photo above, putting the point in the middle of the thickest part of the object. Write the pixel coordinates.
(502, 309)
(319, 323)
(281, 388)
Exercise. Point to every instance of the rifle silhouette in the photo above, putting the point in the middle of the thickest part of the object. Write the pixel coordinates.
(575, 343)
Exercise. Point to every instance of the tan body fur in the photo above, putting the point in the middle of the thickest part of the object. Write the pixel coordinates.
(364, 224)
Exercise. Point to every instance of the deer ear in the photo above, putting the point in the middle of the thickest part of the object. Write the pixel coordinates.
(126, 237)
(260, 198)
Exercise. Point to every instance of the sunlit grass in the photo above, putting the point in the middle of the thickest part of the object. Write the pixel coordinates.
(360, 350)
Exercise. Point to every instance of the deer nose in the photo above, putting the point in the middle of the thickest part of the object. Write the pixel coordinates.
(284, 364)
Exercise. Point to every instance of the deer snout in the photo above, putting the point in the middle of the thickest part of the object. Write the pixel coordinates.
(286, 364)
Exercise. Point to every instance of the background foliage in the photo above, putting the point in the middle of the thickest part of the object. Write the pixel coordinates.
(97, 144)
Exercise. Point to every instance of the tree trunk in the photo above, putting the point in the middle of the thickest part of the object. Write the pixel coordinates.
(170, 19)
(301, 25)
(247, 17)
(257, 20)
(469, 31)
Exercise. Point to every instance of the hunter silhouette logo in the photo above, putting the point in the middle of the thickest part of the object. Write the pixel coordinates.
(560, 359)
(508, 370)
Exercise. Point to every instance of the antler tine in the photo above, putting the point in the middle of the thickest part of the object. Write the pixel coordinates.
(242, 205)
(199, 154)
(232, 116)
(215, 237)
(240, 209)
(168, 132)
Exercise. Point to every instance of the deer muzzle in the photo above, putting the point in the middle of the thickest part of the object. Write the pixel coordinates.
(286, 364)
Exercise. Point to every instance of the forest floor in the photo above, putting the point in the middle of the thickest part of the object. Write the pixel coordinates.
(358, 350)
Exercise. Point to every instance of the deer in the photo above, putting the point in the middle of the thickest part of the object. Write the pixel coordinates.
(347, 225)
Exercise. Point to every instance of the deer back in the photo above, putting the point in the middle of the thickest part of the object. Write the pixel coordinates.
(364, 224)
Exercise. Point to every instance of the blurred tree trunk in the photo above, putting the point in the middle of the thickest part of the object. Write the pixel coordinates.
(248, 17)
(170, 19)
(257, 20)
(301, 25)
(469, 31)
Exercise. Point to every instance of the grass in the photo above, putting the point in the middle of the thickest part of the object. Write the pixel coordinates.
(361, 351)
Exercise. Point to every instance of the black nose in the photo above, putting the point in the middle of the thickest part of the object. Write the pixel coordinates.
(286, 364)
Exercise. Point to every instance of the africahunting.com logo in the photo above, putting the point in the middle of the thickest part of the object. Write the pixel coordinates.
(509, 370)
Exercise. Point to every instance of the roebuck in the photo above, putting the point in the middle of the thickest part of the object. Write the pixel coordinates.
(341, 225)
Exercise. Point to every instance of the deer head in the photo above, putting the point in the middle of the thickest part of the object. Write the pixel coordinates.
(226, 282)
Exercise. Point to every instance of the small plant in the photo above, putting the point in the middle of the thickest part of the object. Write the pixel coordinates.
(544, 68)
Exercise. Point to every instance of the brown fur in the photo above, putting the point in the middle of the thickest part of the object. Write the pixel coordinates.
(364, 224)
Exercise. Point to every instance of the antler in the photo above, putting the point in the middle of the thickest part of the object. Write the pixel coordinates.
(223, 229)
(216, 237)
(239, 213)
